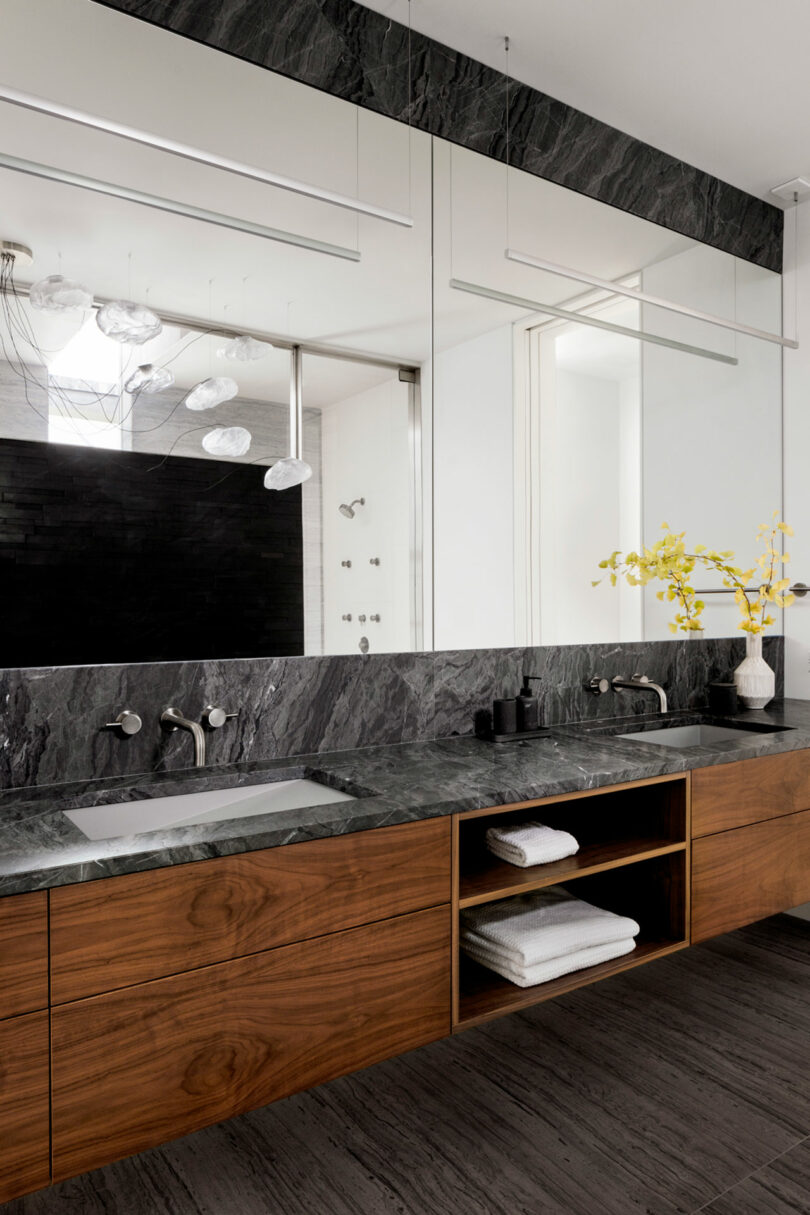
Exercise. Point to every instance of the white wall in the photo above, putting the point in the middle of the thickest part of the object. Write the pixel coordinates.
(366, 454)
(473, 508)
(797, 447)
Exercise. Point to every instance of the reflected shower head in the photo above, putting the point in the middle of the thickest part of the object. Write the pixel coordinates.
(347, 510)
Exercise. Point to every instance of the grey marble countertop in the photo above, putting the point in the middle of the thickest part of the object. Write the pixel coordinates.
(41, 848)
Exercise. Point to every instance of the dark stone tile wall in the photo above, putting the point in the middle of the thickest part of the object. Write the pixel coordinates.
(362, 56)
(50, 718)
(127, 557)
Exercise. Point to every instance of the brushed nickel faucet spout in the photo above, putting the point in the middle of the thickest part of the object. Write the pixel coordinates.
(641, 683)
(173, 719)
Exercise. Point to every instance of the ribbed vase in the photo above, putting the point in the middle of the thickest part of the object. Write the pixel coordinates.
(755, 681)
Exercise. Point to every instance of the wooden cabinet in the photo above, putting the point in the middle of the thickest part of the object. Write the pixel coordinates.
(24, 1105)
(749, 791)
(744, 875)
(126, 930)
(137, 1067)
(23, 953)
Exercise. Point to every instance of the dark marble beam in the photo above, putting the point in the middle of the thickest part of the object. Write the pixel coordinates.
(362, 56)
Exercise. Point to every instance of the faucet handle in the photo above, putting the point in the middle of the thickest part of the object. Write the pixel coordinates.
(637, 677)
(599, 685)
(126, 723)
(213, 717)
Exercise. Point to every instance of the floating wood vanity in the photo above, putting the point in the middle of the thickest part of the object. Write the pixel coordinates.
(141, 1007)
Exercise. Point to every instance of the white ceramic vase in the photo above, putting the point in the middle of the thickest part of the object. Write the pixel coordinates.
(756, 682)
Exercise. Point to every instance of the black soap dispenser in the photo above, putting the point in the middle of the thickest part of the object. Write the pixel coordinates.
(528, 709)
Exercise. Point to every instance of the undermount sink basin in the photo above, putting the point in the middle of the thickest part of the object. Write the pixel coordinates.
(188, 809)
(690, 736)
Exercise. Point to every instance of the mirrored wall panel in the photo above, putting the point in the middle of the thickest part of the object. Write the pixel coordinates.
(211, 385)
(572, 416)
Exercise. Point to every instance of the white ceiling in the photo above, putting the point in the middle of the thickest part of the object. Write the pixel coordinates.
(721, 84)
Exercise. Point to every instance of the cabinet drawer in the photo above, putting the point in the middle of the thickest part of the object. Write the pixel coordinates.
(23, 953)
(126, 930)
(137, 1067)
(743, 875)
(24, 1105)
(732, 795)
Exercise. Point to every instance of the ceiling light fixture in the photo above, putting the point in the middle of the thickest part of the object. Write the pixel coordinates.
(158, 203)
(580, 318)
(55, 109)
(634, 293)
(293, 469)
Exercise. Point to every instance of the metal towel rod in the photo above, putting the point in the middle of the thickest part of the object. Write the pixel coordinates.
(799, 589)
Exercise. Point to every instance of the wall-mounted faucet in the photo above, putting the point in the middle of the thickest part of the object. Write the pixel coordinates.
(213, 717)
(641, 683)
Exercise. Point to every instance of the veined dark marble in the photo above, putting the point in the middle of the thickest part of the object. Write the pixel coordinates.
(362, 56)
(396, 784)
(51, 718)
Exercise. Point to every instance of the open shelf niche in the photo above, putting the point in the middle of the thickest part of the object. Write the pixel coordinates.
(633, 859)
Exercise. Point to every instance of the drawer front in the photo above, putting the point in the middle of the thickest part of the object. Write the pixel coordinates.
(23, 953)
(135, 1068)
(732, 795)
(126, 930)
(24, 1105)
(744, 875)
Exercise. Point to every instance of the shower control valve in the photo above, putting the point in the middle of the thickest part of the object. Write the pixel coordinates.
(376, 617)
(346, 616)
(599, 685)
(347, 565)
(374, 560)
(362, 619)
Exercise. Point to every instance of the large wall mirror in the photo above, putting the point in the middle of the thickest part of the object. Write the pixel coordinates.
(135, 518)
(481, 417)
(571, 420)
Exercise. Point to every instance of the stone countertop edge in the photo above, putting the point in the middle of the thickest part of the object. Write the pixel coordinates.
(401, 783)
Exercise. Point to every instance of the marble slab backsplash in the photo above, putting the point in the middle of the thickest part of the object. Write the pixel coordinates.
(51, 718)
(363, 56)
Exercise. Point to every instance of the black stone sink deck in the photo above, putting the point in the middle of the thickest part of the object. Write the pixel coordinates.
(41, 848)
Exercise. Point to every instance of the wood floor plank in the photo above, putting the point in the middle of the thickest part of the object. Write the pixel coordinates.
(664, 1091)
(781, 1188)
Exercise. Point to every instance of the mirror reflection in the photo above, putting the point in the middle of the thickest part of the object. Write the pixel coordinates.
(572, 421)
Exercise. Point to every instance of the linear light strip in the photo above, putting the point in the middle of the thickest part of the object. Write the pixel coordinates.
(65, 177)
(580, 318)
(635, 293)
(55, 109)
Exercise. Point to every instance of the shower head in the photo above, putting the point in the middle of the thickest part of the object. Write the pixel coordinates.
(347, 510)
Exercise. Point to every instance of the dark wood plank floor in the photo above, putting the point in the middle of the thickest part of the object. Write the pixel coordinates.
(682, 1086)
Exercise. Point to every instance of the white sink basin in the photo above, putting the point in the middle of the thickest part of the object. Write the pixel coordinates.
(687, 736)
(187, 809)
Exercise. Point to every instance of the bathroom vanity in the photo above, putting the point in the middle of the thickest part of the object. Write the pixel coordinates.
(146, 1005)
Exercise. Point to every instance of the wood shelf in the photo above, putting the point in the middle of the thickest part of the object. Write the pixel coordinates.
(485, 994)
(490, 878)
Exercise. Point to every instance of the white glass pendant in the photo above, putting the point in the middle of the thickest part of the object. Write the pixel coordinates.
(286, 473)
(227, 441)
(59, 294)
(244, 349)
(211, 392)
(125, 321)
(149, 378)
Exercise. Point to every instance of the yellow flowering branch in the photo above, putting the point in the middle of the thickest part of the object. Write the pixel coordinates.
(669, 561)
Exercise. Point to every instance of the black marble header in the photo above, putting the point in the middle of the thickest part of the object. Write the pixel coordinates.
(362, 56)
(51, 717)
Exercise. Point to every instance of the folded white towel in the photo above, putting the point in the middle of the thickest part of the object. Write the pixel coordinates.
(554, 967)
(533, 843)
(532, 928)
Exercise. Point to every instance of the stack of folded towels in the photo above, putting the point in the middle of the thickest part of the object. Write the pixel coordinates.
(530, 843)
(536, 937)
